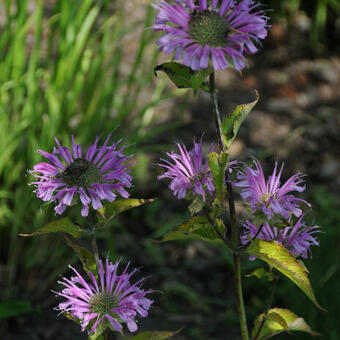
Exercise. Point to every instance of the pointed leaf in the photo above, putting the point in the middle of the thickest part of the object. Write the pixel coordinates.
(116, 207)
(85, 256)
(232, 122)
(218, 165)
(197, 228)
(64, 225)
(279, 257)
(279, 320)
(154, 335)
(183, 76)
(260, 273)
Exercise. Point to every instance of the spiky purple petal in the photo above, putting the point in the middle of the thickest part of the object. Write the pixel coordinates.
(108, 162)
(244, 22)
(129, 299)
(270, 196)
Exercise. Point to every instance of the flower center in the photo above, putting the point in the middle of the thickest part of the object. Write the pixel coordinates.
(265, 198)
(103, 302)
(208, 28)
(81, 173)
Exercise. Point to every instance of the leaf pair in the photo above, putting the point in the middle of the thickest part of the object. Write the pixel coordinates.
(279, 320)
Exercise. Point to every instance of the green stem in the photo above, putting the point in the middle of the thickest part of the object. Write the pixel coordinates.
(216, 110)
(95, 248)
(270, 301)
(233, 222)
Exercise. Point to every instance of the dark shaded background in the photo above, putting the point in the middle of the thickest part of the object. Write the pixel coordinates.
(297, 74)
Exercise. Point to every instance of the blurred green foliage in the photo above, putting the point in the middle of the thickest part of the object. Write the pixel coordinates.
(323, 15)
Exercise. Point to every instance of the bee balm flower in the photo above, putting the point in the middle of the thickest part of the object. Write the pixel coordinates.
(297, 238)
(188, 171)
(204, 30)
(111, 298)
(270, 196)
(99, 175)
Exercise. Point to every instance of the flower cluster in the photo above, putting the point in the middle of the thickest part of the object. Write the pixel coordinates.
(189, 171)
(297, 238)
(272, 199)
(112, 299)
(210, 30)
(95, 177)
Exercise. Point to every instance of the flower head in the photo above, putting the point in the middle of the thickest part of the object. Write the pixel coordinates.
(97, 176)
(216, 30)
(189, 171)
(271, 197)
(297, 239)
(113, 298)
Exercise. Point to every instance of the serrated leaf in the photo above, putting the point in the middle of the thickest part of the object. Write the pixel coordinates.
(232, 122)
(218, 164)
(279, 320)
(85, 256)
(261, 273)
(14, 308)
(64, 225)
(118, 206)
(279, 257)
(197, 228)
(183, 76)
(154, 335)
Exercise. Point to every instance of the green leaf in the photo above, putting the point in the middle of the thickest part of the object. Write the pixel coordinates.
(14, 308)
(279, 320)
(196, 205)
(154, 335)
(64, 225)
(116, 207)
(197, 228)
(279, 257)
(232, 122)
(261, 273)
(218, 165)
(85, 256)
(183, 76)
(99, 331)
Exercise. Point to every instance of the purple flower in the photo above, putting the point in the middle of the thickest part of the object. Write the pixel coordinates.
(189, 171)
(95, 177)
(297, 239)
(270, 197)
(112, 298)
(216, 30)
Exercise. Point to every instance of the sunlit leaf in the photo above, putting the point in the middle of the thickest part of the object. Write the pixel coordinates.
(118, 206)
(14, 308)
(262, 273)
(85, 256)
(154, 335)
(279, 320)
(196, 205)
(218, 164)
(183, 76)
(64, 225)
(279, 257)
(232, 122)
(197, 228)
